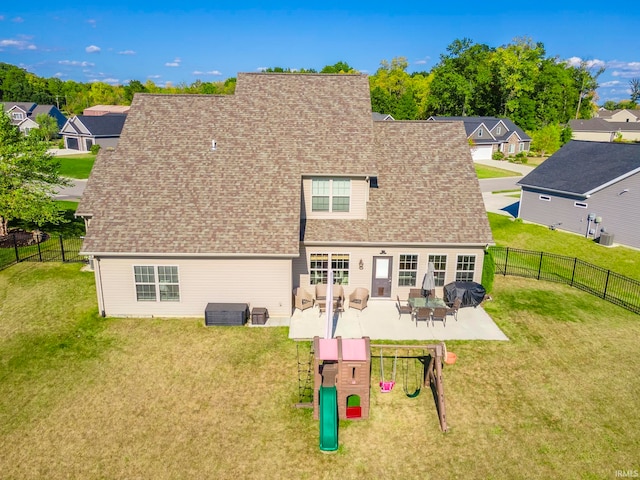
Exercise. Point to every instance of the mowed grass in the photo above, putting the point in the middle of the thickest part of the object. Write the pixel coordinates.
(517, 234)
(76, 166)
(485, 171)
(86, 397)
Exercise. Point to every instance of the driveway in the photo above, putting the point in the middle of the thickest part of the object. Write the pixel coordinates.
(72, 193)
(502, 203)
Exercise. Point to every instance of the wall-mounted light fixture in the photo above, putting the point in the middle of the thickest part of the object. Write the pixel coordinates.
(383, 252)
(361, 264)
(214, 145)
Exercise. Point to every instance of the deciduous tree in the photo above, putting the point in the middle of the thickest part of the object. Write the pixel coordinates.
(28, 178)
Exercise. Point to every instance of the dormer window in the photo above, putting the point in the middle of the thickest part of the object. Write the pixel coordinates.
(17, 115)
(330, 194)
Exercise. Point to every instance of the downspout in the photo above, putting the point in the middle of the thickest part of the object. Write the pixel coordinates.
(100, 291)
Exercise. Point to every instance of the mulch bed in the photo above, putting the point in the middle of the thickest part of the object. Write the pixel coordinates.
(22, 239)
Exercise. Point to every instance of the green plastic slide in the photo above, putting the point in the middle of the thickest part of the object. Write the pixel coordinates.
(328, 419)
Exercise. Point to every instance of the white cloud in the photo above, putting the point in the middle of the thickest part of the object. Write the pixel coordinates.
(577, 61)
(625, 69)
(18, 20)
(262, 69)
(59, 75)
(175, 63)
(127, 52)
(92, 49)
(154, 76)
(92, 22)
(610, 84)
(211, 72)
(76, 63)
(18, 44)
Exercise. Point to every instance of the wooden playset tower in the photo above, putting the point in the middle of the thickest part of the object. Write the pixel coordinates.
(345, 363)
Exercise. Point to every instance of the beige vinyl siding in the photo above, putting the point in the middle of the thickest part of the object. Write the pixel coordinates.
(362, 278)
(258, 282)
(358, 203)
(593, 136)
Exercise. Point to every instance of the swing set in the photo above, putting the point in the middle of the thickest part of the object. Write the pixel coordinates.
(418, 372)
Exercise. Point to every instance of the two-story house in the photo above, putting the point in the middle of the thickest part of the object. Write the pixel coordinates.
(254, 194)
(487, 135)
(23, 115)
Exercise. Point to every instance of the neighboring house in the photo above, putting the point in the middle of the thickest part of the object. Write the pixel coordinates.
(377, 117)
(601, 130)
(488, 135)
(23, 115)
(98, 110)
(81, 132)
(586, 187)
(254, 194)
(619, 115)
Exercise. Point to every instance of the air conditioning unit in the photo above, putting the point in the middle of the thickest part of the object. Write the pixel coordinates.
(606, 239)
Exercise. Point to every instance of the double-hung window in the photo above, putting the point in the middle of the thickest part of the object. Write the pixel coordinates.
(408, 271)
(465, 268)
(319, 268)
(330, 194)
(440, 268)
(155, 283)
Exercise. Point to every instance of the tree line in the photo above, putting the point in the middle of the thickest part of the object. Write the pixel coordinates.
(518, 80)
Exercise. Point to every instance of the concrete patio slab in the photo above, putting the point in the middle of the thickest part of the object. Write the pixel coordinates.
(380, 321)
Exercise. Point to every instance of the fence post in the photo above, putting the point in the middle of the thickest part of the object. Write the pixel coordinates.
(573, 274)
(62, 248)
(606, 284)
(15, 247)
(39, 250)
(506, 263)
(540, 265)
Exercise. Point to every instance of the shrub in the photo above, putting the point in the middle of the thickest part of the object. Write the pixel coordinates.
(95, 148)
(61, 144)
(498, 155)
(488, 271)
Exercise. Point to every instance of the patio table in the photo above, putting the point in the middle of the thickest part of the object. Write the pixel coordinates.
(431, 302)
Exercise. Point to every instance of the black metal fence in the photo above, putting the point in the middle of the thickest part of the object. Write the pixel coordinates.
(610, 286)
(50, 249)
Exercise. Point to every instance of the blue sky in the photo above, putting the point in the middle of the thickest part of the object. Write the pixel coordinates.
(182, 41)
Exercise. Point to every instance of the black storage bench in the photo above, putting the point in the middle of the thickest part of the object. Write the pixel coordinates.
(226, 314)
(259, 316)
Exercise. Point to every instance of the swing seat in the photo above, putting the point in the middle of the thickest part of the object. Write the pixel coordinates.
(386, 387)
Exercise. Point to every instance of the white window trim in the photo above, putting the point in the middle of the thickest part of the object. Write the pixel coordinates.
(446, 259)
(156, 283)
(512, 148)
(521, 147)
(475, 264)
(331, 195)
(408, 270)
(329, 260)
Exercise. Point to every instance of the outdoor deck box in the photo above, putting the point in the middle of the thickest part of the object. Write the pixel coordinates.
(259, 316)
(226, 314)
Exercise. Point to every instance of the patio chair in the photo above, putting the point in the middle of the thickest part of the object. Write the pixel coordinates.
(423, 314)
(439, 313)
(338, 298)
(453, 310)
(302, 299)
(403, 308)
(321, 291)
(359, 298)
(415, 292)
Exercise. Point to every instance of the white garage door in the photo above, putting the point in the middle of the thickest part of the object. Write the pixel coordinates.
(481, 152)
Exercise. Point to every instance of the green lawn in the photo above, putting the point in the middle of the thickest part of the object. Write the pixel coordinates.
(517, 234)
(484, 171)
(76, 166)
(86, 397)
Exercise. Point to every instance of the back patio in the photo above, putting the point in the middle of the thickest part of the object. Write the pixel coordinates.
(380, 321)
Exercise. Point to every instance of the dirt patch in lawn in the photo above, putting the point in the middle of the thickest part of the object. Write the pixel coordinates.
(22, 238)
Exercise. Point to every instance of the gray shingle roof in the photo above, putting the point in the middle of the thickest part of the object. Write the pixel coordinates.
(103, 125)
(163, 190)
(582, 167)
(471, 123)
